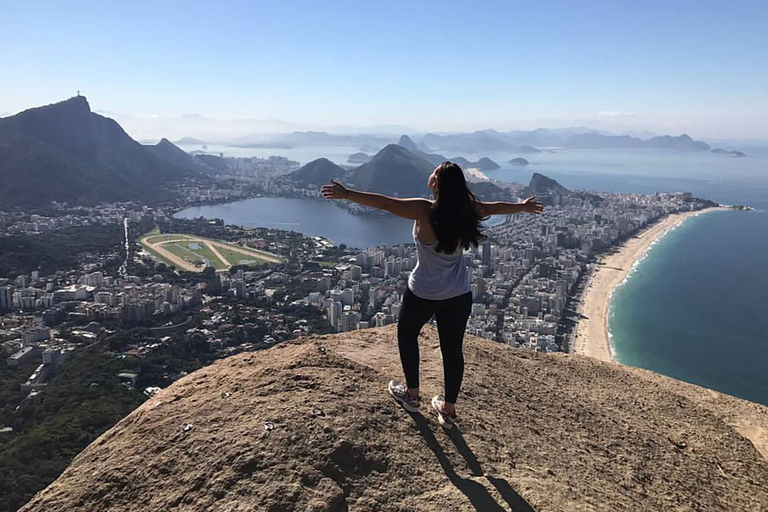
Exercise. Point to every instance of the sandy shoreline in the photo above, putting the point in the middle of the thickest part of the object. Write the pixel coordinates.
(592, 331)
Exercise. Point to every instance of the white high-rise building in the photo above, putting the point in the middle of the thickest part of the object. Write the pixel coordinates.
(5, 298)
(107, 298)
(334, 314)
(355, 272)
(349, 320)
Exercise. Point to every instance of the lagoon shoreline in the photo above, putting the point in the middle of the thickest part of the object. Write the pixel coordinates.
(592, 337)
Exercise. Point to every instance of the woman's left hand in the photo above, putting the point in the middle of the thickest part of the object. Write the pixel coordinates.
(531, 206)
(335, 191)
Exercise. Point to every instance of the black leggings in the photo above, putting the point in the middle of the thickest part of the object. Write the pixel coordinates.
(451, 315)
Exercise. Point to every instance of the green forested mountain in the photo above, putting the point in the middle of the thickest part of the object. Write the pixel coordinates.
(318, 172)
(394, 170)
(65, 152)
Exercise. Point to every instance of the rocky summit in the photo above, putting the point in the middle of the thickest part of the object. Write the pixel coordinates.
(308, 426)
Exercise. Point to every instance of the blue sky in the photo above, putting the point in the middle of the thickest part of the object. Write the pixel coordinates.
(675, 66)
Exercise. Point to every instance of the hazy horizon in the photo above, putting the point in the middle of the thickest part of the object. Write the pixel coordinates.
(212, 130)
(688, 67)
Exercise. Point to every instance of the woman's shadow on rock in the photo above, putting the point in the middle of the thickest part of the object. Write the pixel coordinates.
(476, 492)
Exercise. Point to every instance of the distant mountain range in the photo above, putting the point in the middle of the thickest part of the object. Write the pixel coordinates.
(65, 152)
(524, 142)
(394, 171)
(310, 138)
(190, 141)
(518, 141)
(484, 164)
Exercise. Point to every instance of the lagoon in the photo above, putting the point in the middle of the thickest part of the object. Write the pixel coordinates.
(312, 217)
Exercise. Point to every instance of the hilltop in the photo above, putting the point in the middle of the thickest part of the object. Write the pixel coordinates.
(544, 188)
(174, 155)
(394, 170)
(65, 152)
(317, 172)
(307, 425)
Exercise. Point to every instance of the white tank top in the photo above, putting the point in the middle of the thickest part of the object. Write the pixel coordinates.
(438, 276)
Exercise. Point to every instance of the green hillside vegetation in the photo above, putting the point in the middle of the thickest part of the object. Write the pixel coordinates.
(65, 152)
(78, 405)
(174, 155)
(318, 172)
(394, 170)
(195, 255)
(82, 401)
(237, 258)
(57, 250)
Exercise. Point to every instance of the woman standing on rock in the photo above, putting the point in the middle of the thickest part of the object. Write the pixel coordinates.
(439, 284)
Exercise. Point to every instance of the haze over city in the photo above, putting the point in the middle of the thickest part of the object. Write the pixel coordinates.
(660, 67)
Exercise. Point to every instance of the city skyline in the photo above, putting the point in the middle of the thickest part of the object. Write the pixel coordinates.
(694, 68)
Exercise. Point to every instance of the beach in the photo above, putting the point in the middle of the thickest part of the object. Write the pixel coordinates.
(592, 337)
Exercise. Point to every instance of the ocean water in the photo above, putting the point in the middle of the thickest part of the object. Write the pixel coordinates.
(696, 306)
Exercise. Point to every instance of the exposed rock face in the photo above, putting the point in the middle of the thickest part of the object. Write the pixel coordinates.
(309, 426)
(543, 188)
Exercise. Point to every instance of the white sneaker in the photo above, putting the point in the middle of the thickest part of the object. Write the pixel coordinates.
(402, 396)
(447, 421)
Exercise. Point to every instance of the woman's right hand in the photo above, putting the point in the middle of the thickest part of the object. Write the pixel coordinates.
(335, 191)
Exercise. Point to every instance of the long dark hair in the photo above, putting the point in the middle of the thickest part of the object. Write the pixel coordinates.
(454, 216)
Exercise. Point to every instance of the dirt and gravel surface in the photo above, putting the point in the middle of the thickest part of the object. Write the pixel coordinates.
(308, 426)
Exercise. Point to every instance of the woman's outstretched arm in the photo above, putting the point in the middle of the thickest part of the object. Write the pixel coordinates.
(503, 208)
(414, 208)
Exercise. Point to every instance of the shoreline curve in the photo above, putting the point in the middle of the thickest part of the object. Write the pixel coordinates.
(592, 337)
